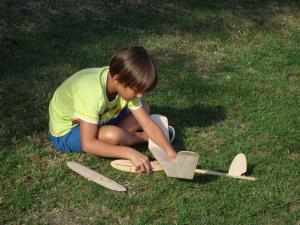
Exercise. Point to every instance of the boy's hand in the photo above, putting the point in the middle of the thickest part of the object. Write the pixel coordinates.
(140, 161)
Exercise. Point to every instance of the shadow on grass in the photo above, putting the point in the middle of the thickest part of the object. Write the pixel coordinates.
(56, 18)
(200, 179)
(50, 28)
(196, 116)
(250, 169)
(43, 42)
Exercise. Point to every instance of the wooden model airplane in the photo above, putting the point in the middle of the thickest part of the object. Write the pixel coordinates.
(236, 169)
(186, 161)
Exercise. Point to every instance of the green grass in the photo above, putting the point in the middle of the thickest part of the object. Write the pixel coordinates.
(229, 82)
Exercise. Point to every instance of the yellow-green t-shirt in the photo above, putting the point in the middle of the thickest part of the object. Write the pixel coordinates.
(83, 96)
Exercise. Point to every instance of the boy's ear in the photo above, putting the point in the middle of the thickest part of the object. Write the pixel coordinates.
(115, 78)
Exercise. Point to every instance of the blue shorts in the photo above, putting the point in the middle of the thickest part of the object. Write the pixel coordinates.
(70, 142)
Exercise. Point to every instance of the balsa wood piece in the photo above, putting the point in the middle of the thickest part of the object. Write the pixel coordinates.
(238, 165)
(208, 172)
(185, 163)
(127, 166)
(159, 154)
(162, 122)
(162, 157)
(95, 177)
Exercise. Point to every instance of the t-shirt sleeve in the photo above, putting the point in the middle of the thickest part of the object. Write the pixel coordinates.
(135, 104)
(86, 107)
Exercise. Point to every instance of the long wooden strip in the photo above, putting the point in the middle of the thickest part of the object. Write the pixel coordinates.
(224, 174)
(95, 177)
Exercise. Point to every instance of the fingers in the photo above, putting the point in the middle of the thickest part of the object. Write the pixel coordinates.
(144, 166)
(140, 169)
(141, 162)
(148, 166)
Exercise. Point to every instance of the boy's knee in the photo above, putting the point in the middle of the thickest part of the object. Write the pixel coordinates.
(112, 135)
(146, 107)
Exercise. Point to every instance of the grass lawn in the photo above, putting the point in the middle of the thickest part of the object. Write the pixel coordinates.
(229, 82)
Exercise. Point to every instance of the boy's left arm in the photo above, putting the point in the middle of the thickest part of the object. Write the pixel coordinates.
(153, 131)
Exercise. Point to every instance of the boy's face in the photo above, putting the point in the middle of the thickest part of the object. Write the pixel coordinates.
(128, 93)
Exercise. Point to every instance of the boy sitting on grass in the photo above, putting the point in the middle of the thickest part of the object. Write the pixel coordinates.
(99, 110)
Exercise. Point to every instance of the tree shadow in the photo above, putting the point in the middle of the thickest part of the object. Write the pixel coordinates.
(43, 42)
(38, 27)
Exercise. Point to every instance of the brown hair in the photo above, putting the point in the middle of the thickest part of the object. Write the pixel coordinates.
(135, 68)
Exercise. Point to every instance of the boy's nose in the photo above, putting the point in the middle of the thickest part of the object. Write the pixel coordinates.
(140, 95)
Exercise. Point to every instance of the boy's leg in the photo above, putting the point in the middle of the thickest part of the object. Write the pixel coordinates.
(117, 136)
(125, 133)
(129, 123)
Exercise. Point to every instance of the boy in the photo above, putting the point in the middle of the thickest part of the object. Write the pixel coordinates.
(99, 110)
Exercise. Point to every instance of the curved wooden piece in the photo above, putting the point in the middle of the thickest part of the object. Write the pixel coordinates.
(238, 165)
(95, 177)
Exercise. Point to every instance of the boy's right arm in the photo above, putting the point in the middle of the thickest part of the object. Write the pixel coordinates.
(91, 144)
